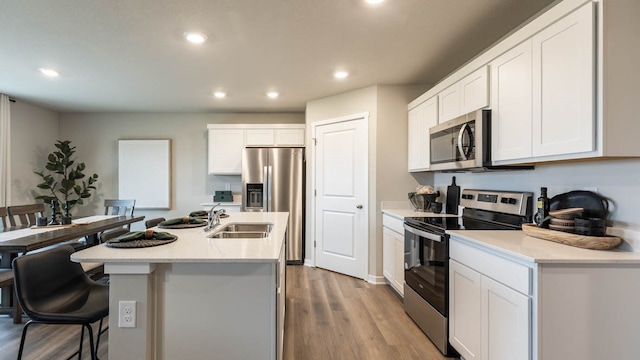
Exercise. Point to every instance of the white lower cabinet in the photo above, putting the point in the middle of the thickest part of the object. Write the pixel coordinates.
(393, 252)
(506, 322)
(504, 307)
(465, 324)
(488, 319)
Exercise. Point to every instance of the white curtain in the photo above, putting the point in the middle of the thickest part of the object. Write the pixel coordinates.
(5, 146)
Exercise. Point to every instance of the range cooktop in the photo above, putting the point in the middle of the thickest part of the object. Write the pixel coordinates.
(484, 210)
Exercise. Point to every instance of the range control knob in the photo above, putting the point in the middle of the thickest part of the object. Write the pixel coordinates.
(506, 200)
(467, 196)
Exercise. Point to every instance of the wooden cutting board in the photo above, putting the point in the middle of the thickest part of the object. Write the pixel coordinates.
(581, 241)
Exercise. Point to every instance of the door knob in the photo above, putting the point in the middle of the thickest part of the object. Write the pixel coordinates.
(359, 206)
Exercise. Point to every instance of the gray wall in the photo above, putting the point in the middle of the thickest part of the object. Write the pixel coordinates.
(34, 131)
(388, 176)
(96, 137)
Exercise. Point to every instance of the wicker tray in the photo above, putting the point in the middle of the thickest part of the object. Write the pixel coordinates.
(133, 244)
(581, 241)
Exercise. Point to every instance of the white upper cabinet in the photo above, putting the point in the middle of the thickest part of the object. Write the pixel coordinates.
(449, 103)
(469, 94)
(275, 137)
(511, 116)
(226, 142)
(260, 137)
(225, 151)
(474, 91)
(564, 85)
(289, 137)
(421, 118)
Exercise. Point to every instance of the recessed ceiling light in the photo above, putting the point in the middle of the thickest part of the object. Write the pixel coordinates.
(273, 94)
(220, 94)
(374, 2)
(195, 37)
(340, 74)
(49, 72)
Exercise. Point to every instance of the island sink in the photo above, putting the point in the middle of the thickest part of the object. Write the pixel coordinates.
(241, 227)
(242, 231)
(239, 235)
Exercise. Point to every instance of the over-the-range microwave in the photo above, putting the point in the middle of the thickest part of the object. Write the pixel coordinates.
(464, 144)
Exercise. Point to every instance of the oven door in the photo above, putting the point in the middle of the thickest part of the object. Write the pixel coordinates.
(426, 265)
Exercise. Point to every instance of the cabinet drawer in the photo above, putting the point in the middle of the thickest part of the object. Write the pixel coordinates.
(393, 223)
(512, 274)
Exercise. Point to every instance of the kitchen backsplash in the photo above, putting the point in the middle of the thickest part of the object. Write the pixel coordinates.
(618, 180)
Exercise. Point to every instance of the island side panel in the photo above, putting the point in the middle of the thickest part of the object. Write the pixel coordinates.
(589, 311)
(132, 343)
(226, 309)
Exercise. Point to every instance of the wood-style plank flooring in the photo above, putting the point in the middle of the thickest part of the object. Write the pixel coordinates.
(329, 316)
(333, 316)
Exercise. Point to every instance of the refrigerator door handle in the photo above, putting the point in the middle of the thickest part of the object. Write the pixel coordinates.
(269, 184)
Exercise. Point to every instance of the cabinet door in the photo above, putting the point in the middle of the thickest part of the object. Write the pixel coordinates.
(261, 137)
(465, 310)
(225, 151)
(388, 255)
(289, 137)
(474, 91)
(421, 118)
(398, 262)
(564, 85)
(511, 104)
(449, 103)
(506, 322)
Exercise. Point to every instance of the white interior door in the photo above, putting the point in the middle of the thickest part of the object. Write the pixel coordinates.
(341, 196)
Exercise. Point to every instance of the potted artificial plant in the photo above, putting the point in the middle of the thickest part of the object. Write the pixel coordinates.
(63, 182)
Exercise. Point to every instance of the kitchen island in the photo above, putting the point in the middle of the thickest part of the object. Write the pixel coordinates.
(199, 297)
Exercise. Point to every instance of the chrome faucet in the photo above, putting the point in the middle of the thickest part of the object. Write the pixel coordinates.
(213, 218)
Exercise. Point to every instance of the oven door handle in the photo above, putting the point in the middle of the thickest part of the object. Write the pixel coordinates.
(424, 234)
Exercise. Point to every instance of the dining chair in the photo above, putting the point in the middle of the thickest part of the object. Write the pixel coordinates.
(3, 217)
(153, 222)
(117, 207)
(26, 215)
(51, 289)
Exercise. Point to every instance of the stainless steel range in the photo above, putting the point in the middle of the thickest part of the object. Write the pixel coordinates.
(426, 288)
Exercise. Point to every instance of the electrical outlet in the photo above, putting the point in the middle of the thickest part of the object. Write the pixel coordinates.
(127, 314)
(227, 186)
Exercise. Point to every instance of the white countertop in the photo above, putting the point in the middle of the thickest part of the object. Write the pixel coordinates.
(403, 209)
(193, 245)
(402, 213)
(235, 202)
(517, 244)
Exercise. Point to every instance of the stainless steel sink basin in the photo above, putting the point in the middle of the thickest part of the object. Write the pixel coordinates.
(239, 235)
(242, 231)
(247, 227)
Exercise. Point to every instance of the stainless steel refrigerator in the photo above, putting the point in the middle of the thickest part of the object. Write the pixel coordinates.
(273, 180)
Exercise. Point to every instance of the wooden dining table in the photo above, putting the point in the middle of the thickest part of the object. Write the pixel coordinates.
(25, 241)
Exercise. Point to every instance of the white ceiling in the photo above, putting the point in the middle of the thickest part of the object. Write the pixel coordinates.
(130, 55)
